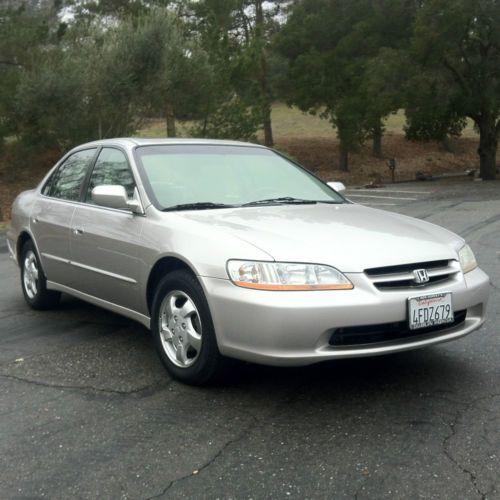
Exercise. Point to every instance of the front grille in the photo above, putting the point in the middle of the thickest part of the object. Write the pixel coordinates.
(386, 332)
(405, 268)
(401, 276)
(433, 280)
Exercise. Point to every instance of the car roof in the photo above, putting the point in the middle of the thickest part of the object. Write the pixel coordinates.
(142, 141)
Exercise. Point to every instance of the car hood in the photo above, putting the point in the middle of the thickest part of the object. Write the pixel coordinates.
(347, 236)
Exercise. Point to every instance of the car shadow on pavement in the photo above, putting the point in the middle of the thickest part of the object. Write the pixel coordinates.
(425, 369)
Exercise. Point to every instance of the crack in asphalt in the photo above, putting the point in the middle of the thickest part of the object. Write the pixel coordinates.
(452, 425)
(294, 395)
(449, 455)
(146, 389)
(207, 464)
(358, 491)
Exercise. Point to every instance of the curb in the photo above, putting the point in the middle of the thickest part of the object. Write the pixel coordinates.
(388, 182)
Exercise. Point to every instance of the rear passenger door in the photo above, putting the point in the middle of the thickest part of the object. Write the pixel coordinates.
(105, 242)
(51, 216)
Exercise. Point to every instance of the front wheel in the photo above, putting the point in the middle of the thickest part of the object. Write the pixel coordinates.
(183, 330)
(33, 280)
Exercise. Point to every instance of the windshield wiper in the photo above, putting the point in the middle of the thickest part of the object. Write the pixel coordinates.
(284, 200)
(201, 205)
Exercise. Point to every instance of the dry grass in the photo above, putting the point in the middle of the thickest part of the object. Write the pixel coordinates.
(312, 141)
(321, 156)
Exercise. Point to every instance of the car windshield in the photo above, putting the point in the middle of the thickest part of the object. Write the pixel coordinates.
(215, 176)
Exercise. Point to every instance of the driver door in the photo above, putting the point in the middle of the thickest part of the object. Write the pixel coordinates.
(105, 242)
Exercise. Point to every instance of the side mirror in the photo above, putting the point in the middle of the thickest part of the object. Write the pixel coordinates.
(337, 186)
(115, 197)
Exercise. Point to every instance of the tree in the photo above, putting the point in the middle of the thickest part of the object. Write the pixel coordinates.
(337, 52)
(387, 28)
(102, 79)
(258, 47)
(89, 11)
(237, 35)
(431, 109)
(28, 29)
(171, 68)
(80, 89)
(457, 45)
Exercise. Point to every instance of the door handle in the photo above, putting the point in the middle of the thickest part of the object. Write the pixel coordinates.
(77, 230)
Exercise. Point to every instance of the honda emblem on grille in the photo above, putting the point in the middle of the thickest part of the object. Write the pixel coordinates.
(420, 276)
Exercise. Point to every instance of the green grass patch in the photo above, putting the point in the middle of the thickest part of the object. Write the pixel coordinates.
(292, 122)
(156, 128)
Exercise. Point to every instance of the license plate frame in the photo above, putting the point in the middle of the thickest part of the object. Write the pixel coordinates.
(426, 311)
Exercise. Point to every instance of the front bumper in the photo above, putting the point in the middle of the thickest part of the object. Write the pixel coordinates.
(294, 328)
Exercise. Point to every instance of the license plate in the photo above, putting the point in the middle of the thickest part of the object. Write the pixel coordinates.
(430, 310)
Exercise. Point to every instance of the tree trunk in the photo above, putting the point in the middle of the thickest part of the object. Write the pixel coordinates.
(170, 119)
(488, 142)
(343, 158)
(263, 76)
(268, 130)
(445, 142)
(377, 140)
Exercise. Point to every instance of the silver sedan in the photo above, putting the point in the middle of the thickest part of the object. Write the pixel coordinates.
(230, 250)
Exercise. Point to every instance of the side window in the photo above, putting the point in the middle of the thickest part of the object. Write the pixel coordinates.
(111, 168)
(48, 185)
(67, 181)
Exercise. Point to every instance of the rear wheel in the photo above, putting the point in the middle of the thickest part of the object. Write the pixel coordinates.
(183, 330)
(33, 280)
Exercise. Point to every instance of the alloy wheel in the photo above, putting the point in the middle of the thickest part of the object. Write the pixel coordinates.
(30, 274)
(180, 329)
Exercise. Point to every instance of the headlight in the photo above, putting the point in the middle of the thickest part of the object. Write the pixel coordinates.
(467, 259)
(286, 276)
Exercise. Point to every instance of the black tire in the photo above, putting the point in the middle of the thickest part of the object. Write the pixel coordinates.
(39, 297)
(207, 366)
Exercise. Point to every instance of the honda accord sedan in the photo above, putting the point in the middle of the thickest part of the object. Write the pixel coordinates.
(230, 250)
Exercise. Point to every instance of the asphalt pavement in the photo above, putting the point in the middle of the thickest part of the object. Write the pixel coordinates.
(87, 411)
